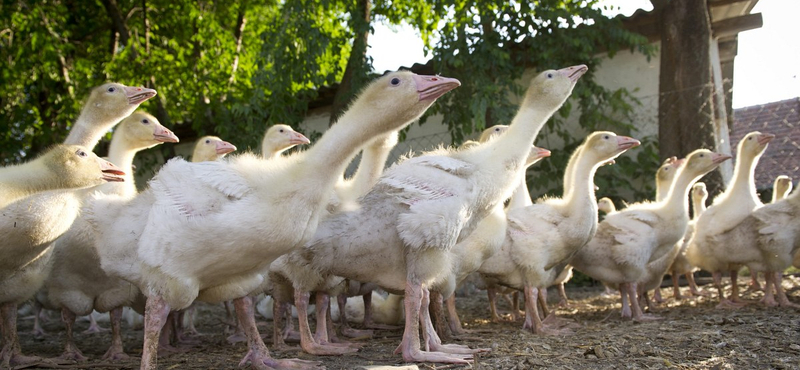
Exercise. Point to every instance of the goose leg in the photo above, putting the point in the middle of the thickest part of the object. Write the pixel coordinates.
(433, 341)
(115, 351)
(543, 302)
(155, 316)
(676, 287)
(735, 287)
(347, 331)
(533, 322)
(410, 345)
(693, 286)
(492, 293)
(71, 351)
(783, 301)
(94, 328)
(516, 313)
(562, 294)
(38, 331)
(325, 334)
(11, 354)
(769, 298)
(626, 308)
(754, 285)
(436, 308)
(452, 316)
(657, 296)
(636, 310)
(278, 324)
(258, 354)
(307, 341)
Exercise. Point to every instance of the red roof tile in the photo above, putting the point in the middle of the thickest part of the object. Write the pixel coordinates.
(781, 118)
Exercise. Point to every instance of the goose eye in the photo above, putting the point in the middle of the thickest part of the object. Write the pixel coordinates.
(750, 138)
(702, 155)
(111, 89)
(606, 137)
(549, 75)
(146, 121)
(81, 153)
(497, 129)
(395, 81)
(208, 141)
(281, 130)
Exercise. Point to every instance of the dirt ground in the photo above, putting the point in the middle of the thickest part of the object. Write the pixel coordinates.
(692, 335)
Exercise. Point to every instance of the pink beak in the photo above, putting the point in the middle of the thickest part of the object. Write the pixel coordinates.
(678, 162)
(542, 152)
(763, 139)
(224, 147)
(574, 72)
(164, 135)
(299, 139)
(625, 142)
(138, 95)
(432, 87)
(719, 158)
(111, 172)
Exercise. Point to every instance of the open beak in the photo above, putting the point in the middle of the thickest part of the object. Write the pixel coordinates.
(719, 158)
(138, 95)
(432, 87)
(299, 139)
(224, 147)
(574, 72)
(164, 135)
(111, 173)
(625, 142)
(763, 139)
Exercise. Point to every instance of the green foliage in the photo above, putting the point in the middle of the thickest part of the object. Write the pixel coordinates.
(232, 68)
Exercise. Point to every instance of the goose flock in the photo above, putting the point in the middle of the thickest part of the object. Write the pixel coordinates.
(78, 237)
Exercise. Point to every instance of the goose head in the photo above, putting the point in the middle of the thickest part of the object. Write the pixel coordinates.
(699, 192)
(397, 98)
(492, 132)
(782, 187)
(78, 167)
(604, 146)
(111, 101)
(280, 138)
(666, 173)
(552, 87)
(702, 161)
(606, 205)
(142, 130)
(753, 144)
(211, 148)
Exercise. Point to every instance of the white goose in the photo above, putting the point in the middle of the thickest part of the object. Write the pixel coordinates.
(629, 239)
(344, 197)
(709, 247)
(681, 266)
(77, 285)
(222, 213)
(548, 233)
(31, 224)
(61, 167)
(423, 206)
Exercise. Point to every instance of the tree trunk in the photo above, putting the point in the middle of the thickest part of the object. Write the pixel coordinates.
(686, 116)
(356, 71)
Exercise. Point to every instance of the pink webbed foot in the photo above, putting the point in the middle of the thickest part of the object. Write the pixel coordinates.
(647, 318)
(12, 359)
(416, 355)
(356, 333)
(263, 361)
(72, 353)
(767, 301)
(727, 304)
(457, 349)
(116, 354)
(236, 337)
(94, 328)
